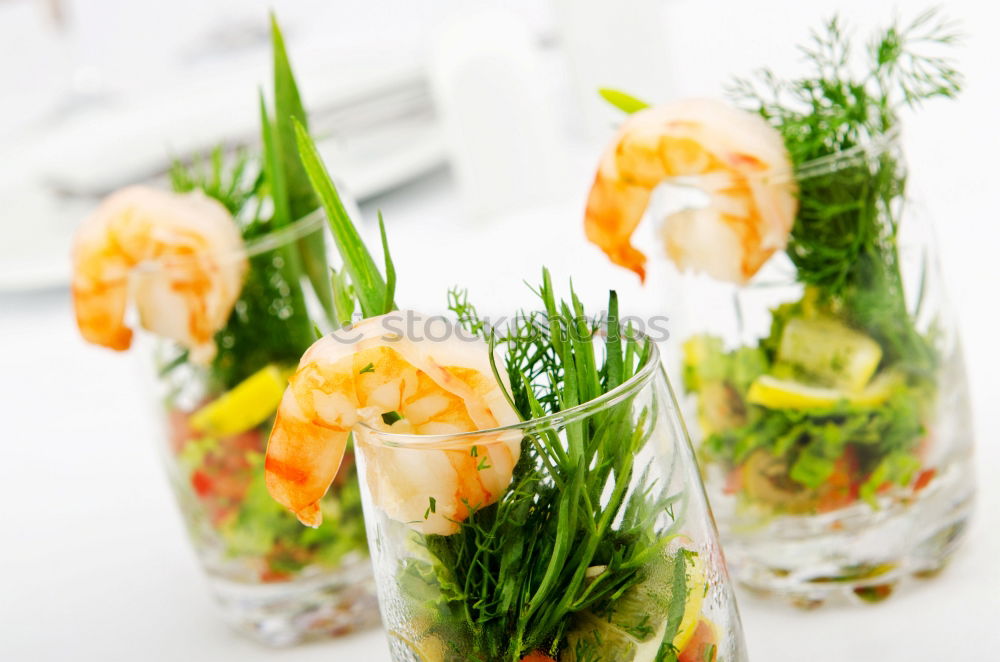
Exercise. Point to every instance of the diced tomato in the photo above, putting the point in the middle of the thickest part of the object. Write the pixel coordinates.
(221, 513)
(537, 656)
(230, 485)
(923, 479)
(224, 475)
(231, 454)
(924, 445)
(270, 576)
(734, 481)
(842, 488)
(222, 479)
(202, 483)
(702, 647)
(179, 430)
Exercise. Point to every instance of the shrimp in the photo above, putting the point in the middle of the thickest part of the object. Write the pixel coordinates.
(374, 377)
(197, 263)
(737, 159)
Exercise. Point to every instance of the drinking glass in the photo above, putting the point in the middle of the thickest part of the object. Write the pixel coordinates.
(590, 563)
(833, 428)
(273, 578)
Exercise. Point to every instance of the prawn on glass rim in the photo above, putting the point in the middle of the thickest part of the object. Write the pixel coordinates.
(178, 257)
(735, 157)
(374, 377)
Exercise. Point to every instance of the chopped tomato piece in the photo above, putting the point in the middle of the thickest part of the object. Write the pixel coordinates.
(734, 481)
(202, 483)
(923, 479)
(537, 656)
(702, 647)
(179, 430)
(270, 576)
(841, 489)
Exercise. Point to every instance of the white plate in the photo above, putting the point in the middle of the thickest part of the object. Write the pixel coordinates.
(66, 172)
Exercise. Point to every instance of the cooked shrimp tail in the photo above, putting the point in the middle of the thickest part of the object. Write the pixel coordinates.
(195, 259)
(100, 303)
(350, 381)
(735, 157)
(302, 460)
(614, 209)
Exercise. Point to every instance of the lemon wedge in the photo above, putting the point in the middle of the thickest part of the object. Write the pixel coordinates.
(697, 585)
(879, 389)
(429, 649)
(633, 628)
(776, 393)
(243, 407)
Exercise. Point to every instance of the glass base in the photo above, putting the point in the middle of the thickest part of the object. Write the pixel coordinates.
(285, 613)
(855, 554)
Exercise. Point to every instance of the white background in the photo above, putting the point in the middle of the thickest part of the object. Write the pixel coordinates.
(94, 564)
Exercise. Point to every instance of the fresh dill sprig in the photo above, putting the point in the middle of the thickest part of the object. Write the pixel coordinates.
(844, 242)
(270, 322)
(234, 181)
(465, 312)
(517, 571)
(854, 94)
(839, 124)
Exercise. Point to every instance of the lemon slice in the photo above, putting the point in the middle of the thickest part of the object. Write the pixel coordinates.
(633, 628)
(427, 650)
(697, 585)
(879, 389)
(776, 393)
(245, 406)
(703, 644)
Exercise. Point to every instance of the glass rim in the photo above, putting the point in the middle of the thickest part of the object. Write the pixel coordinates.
(458, 440)
(873, 145)
(831, 163)
(274, 239)
(827, 165)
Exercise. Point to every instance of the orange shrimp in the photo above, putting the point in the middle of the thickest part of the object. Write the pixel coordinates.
(735, 157)
(348, 380)
(197, 263)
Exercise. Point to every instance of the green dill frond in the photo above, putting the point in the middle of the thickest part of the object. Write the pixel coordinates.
(843, 243)
(465, 312)
(233, 179)
(515, 587)
(908, 68)
(852, 94)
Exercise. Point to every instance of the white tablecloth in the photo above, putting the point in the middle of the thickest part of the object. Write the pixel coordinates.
(96, 565)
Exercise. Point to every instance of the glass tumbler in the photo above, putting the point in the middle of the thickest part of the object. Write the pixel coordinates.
(601, 548)
(832, 422)
(274, 579)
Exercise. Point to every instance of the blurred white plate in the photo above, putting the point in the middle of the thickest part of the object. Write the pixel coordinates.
(376, 132)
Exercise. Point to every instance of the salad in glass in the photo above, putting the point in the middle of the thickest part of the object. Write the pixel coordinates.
(826, 377)
(529, 491)
(229, 282)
